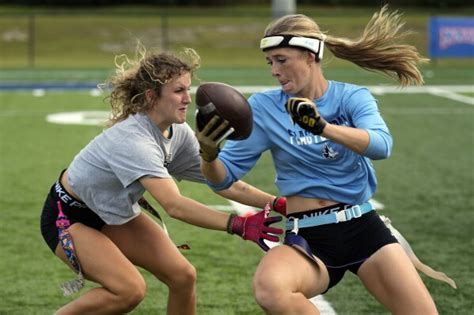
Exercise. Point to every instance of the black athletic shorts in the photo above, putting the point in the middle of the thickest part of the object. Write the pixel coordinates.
(75, 210)
(345, 245)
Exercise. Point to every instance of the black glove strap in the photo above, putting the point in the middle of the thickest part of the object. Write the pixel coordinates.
(229, 223)
(319, 126)
(208, 158)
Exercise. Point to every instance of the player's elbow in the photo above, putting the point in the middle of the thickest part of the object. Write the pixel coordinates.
(175, 212)
(380, 145)
(379, 155)
(174, 209)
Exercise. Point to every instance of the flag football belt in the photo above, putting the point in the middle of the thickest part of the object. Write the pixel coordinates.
(300, 244)
(145, 205)
(65, 239)
(293, 224)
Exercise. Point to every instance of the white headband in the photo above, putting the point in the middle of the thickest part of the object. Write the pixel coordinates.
(280, 41)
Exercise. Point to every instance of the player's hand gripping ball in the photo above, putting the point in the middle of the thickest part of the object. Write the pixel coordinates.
(305, 113)
(222, 113)
(223, 100)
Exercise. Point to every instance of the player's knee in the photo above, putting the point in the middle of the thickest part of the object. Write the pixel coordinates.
(183, 279)
(268, 292)
(132, 294)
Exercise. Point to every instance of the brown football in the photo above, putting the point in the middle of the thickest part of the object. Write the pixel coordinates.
(215, 98)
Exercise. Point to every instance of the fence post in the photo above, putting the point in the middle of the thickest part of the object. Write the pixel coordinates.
(31, 40)
(164, 31)
(283, 7)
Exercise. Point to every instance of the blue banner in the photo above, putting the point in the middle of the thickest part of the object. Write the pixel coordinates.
(451, 37)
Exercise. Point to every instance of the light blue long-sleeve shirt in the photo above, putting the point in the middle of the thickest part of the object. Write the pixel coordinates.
(308, 165)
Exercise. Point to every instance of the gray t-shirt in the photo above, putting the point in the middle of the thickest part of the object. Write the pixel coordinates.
(105, 173)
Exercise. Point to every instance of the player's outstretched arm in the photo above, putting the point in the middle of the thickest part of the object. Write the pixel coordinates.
(254, 228)
(247, 194)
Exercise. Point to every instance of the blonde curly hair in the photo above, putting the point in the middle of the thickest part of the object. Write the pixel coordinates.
(148, 71)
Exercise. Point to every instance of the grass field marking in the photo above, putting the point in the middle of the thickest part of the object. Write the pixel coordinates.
(98, 118)
(39, 90)
(452, 95)
(91, 118)
(325, 308)
(447, 91)
(319, 301)
(377, 204)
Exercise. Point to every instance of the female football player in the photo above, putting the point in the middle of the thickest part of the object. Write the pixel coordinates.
(91, 218)
(322, 135)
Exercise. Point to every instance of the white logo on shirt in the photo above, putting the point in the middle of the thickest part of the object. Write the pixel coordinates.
(303, 138)
(328, 152)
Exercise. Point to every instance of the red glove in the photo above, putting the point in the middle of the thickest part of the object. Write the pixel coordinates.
(255, 227)
(279, 205)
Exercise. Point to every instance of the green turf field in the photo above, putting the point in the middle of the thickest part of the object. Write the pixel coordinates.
(426, 185)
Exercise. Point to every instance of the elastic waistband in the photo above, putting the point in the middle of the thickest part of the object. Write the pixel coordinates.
(321, 211)
(347, 214)
(60, 192)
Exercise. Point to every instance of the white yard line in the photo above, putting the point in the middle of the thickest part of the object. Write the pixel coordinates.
(394, 89)
(447, 91)
(324, 307)
(377, 204)
(376, 89)
(452, 95)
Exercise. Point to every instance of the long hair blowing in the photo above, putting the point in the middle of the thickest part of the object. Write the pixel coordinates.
(378, 49)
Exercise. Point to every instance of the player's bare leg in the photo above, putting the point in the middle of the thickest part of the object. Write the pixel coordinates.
(391, 277)
(285, 279)
(123, 287)
(145, 243)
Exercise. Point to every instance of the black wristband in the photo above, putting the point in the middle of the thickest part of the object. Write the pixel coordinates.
(229, 223)
(274, 202)
(207, 158)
